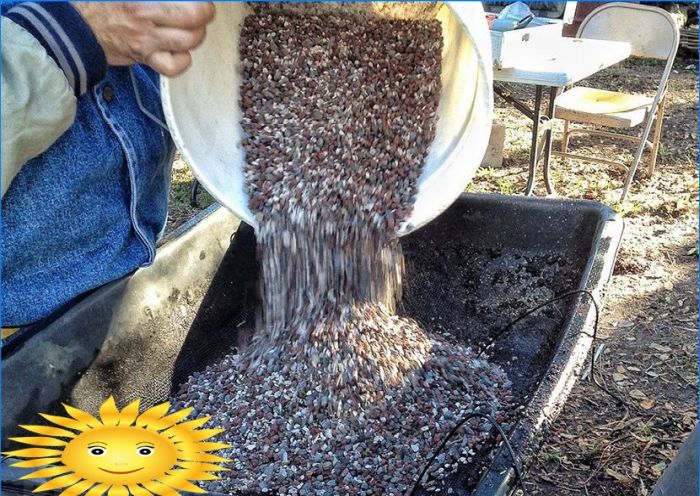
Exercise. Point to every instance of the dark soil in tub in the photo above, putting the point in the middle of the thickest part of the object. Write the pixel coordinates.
(469, 293)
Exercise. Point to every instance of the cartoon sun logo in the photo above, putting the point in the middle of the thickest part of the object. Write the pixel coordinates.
(122, 453)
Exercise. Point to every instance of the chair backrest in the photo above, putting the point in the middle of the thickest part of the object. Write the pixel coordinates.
(650, 31)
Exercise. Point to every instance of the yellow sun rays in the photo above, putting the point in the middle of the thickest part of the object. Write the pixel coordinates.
(188, 441)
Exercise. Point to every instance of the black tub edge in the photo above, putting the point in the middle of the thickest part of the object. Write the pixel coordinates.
(528, 434)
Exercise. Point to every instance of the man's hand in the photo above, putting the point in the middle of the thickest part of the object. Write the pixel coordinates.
(160, 35)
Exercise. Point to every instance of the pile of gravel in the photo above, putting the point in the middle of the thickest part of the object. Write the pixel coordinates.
(336, 394)
(280, 444)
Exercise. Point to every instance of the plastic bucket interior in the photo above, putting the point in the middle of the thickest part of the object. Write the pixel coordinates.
(202, 108)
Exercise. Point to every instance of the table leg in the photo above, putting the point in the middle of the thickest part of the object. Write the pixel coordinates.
(535, 140)
(553, 93)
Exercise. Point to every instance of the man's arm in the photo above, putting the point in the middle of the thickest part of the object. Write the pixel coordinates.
(54, 52)
(49, 58)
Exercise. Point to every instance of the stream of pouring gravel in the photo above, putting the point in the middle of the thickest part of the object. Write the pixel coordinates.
(336, 394)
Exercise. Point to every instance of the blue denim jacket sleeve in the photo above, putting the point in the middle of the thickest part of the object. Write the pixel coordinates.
(90, 208)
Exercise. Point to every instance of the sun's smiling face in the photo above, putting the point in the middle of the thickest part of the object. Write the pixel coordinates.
(123, 452)
(120, 455)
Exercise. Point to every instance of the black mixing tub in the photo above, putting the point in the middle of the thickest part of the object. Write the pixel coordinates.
(480, 265)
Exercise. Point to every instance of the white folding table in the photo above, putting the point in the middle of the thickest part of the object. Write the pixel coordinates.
(565, 61)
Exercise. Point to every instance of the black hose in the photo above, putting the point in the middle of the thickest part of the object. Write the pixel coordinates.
(464, 420)
(491, 341)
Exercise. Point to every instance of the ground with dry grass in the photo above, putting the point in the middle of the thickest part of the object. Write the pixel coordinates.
(649, 323)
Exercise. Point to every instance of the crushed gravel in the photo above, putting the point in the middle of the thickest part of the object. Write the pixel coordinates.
(336, 394)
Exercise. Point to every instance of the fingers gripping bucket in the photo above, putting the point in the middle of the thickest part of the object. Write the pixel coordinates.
(203, 113)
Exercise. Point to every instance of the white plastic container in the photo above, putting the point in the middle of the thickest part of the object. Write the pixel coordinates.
(509, 47)
(202, 110)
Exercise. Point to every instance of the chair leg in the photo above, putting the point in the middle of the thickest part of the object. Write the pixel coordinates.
(565, 142)
(565, 138)
(633, 168)
(657, 138)
(564, 145)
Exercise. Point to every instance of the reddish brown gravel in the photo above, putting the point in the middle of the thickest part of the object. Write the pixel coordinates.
(336, 394)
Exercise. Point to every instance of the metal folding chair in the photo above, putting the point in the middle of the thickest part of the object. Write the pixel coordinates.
(652, 33)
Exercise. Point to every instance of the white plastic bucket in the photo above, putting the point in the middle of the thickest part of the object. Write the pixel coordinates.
(202, 109)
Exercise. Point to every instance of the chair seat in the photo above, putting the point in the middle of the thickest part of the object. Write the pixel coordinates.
(601, 107)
